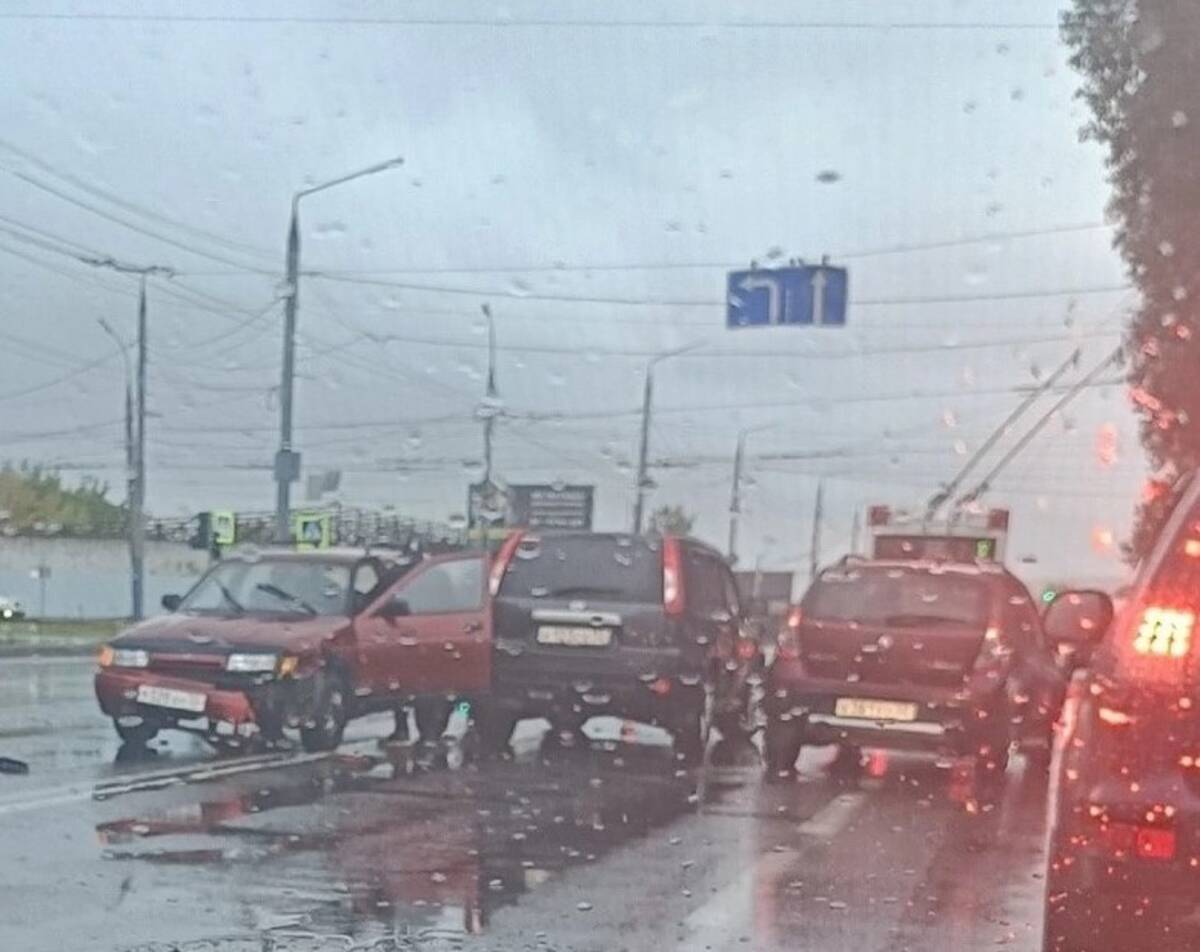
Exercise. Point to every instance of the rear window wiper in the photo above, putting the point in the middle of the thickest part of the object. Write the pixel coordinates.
(906, 621)
(285, 596)
(584, 590)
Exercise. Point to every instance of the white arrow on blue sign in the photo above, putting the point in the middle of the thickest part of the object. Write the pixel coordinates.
(810, 295)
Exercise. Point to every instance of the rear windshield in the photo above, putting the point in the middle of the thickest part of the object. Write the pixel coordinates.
(598, 567)
(899, 597)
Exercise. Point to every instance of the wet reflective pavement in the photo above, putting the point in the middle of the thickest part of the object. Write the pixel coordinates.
(612, 846)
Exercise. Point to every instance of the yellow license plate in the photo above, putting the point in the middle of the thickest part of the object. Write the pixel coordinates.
(575, 636)
(872, 710)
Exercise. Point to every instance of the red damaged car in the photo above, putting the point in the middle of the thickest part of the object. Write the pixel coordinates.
(276, 641)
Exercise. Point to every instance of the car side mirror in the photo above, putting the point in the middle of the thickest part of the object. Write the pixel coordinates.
(1076, 620)
(171, 602)
(394, 608)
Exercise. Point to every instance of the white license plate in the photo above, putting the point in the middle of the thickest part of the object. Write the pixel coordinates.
(170, 697)
(574, 636)
(871, 710)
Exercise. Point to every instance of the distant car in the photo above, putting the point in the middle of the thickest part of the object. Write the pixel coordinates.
(923, 655)
(11, 609)
(590, 623)
(1124, 840)
(278, 640)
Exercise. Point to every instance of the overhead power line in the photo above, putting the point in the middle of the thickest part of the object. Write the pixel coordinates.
(529, 295)
(513, 23)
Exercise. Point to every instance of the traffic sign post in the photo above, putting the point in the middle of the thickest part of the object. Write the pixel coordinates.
(809, 295)
(312, 530)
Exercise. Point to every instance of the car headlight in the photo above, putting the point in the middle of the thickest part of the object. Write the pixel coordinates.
(111, 657)
(251, 663)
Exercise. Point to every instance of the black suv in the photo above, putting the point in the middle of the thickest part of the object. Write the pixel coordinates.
(1124, 848)
(646, 628)
(927, 655)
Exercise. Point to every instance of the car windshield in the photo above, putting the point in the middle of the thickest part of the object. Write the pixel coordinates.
(589, 568)
(899, 597)
(272, 586)
(309, 307)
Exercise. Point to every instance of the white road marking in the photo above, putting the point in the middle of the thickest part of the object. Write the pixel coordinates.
(720, 922)
(827, 822)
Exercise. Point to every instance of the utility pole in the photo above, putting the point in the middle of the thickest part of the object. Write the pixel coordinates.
(489, 408)
(287, 461)
(814, 552)
(943, 495)
(735, 496)
(643, 475)
(137, 536)
(135, 431)
(986, 483)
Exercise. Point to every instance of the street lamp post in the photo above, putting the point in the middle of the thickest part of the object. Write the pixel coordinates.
(287, 461)
(735, 496)
(131, 470)
(643, 482)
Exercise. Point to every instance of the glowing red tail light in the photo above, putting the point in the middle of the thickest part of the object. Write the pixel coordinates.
(672, 564)
(788, 641)
(1164, 632)
(746, 649)
(503, 557)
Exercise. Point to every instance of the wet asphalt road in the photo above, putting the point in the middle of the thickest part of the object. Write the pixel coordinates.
(608, 848)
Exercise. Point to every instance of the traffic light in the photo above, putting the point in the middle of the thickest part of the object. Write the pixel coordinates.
(1048, 595)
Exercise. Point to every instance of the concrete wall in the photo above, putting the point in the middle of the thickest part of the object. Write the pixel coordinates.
(89, 578)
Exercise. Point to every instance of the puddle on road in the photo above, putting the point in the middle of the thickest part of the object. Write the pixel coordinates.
(371, 846)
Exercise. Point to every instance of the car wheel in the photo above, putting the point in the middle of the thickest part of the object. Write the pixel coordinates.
(781, 748)
(690, 731)
(493, 728)
(993, 747)
(137, 734)
(432, 716)
(324, 730)
(847, 763)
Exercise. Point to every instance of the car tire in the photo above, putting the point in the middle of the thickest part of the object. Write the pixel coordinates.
(136, 734)
(690, 733)
(847, 763)
(330, 713)
(782, 743)
(992, 748)
(493, 728)
(432, 715)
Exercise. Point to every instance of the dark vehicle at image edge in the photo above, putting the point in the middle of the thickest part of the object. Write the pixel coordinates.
(639, 627)
(275, 641)
(920, 655)
(1124, 842)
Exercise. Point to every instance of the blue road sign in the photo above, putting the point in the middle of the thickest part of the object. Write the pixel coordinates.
(814, 295)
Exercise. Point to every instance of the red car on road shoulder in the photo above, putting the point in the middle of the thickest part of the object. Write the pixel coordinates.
(277, 640)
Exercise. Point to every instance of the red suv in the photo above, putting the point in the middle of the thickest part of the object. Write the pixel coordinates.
(944, 657)
(273, 641)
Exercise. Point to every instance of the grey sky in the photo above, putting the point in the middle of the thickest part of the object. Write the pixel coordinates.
(529, 145)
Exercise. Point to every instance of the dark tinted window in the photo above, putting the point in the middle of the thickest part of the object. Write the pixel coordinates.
(585, 566)
(898, 597)
(704, 586)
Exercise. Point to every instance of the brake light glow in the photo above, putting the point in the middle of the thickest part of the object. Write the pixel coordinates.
(795, 617)
(1164, 632)
(746, 649)
(672, 563)
(1113, 717)
(503, 557)
(1191, 548)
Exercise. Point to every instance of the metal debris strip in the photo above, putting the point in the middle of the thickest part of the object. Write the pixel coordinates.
(292, 940)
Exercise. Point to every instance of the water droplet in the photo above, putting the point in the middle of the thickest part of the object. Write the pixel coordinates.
(829, 176)
(1179, 119)
(583, 906)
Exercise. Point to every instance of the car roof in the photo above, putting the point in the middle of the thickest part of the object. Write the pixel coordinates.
(341, 555)
(928, 566)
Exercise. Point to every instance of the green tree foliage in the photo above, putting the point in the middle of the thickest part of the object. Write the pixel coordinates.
(34, 499)
(671, 520)
(1140, 65)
